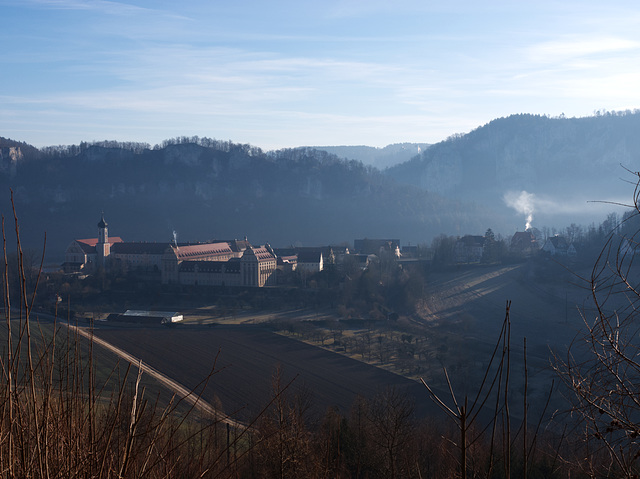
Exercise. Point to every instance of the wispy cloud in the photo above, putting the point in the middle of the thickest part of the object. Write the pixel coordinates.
(403, 71)
(570, 48)
(101, 6)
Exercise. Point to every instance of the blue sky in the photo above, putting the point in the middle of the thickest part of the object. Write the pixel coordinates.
(280, 74)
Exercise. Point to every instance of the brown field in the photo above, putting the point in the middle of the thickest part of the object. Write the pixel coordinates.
(459, 318)
(471, 305)
(467, 308)
(247, 357)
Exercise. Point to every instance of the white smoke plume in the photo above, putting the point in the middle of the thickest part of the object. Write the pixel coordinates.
(523, 203)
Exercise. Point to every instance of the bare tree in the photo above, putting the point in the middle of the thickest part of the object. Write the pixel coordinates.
(602, 366)
(392, 424)
(64, 415)
(465, 413)
(284, 448)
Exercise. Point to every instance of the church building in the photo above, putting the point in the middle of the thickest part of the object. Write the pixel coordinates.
(89, 254)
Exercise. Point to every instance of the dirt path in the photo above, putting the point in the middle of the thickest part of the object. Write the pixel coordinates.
(180, 390)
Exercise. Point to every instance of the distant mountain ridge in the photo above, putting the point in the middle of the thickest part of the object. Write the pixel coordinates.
(380, 158)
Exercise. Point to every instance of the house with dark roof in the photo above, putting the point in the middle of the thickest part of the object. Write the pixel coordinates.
(310, 261)
(469, 249)
(558, 246)
(312, 258)
(377, 246)
(523, 242)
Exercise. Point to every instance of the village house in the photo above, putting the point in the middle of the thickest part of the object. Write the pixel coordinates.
(310, 261)
(379, 247)
(558, 246)
(524, 243)
(310, 258)
(469, 249)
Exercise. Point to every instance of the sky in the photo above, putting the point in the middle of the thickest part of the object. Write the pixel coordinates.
(282, 74)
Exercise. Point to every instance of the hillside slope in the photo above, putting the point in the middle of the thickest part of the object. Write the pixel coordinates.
(562, 163)
(208, 189)
(380, 158)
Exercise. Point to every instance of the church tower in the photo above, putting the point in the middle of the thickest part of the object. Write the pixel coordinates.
(103, 248)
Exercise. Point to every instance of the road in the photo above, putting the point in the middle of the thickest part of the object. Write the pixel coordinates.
(181, 391)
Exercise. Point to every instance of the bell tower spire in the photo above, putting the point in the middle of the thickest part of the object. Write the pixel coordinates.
(103, 248)
(103, 231)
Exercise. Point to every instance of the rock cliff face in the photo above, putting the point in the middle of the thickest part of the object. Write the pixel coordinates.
(9, 158)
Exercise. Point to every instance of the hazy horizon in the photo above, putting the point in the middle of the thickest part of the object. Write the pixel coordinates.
(287, 74)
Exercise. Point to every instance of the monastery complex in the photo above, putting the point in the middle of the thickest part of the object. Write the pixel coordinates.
(220, 263)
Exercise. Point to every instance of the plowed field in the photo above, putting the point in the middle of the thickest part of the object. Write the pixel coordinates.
(247, 358)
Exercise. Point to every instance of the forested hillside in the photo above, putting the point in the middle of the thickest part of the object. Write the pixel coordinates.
(565, 163)
(204, 189)
(497, 176)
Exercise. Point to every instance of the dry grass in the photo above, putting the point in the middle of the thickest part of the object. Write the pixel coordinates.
(64, 415)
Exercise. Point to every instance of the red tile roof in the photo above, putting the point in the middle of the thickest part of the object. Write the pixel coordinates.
(199, 251)
(263, 254)
(94, 241)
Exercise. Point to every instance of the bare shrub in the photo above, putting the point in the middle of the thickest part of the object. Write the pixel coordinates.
(58, 418)
(602, 367)
(284, 443)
